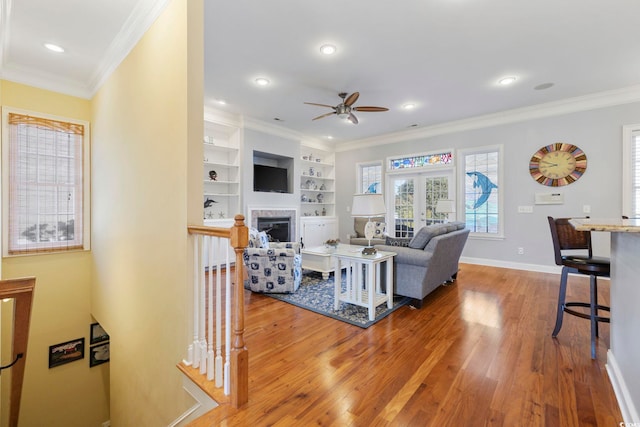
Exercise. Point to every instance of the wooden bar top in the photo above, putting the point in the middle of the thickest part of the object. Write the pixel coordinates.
(617, 225)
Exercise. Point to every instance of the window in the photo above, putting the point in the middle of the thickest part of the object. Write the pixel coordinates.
(44, 185)
(631, 171)
(421, 161)
(370, 178)
(482, 179)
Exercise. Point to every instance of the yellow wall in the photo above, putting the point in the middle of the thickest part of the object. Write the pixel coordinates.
(145, 118)
(72, 394)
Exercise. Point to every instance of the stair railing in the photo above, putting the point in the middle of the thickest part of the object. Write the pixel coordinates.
(21, 290)
(226, 364)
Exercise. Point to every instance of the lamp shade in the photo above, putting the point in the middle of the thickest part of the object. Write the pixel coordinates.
(368, 205)
(445, 206)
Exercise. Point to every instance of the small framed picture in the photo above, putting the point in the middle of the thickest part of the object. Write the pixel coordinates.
(97, 334)
(66, 352)
(98, 354)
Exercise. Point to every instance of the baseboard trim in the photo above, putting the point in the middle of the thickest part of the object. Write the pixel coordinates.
(513, 265)
(628, 409)
(203, 404)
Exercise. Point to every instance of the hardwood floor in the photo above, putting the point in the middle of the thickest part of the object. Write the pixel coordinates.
(479, 353)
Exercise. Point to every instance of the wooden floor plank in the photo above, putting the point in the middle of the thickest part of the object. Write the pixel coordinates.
(479, 352)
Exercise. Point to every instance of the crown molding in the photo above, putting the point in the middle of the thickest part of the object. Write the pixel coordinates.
(222, 117)
(259, 125)
(594, 101)
(44, 80)
(142, 17)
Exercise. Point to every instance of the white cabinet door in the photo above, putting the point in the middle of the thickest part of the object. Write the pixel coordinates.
(316, 231)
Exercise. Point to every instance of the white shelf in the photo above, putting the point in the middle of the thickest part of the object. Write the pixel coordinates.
(221, 148)
(309, 176)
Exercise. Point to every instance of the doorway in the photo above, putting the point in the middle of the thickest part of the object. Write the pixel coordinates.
(414, 198)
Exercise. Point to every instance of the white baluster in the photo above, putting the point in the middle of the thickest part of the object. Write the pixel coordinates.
(227, 321)
(202, 333)
(218, 375)
(193, 351)
(211, 248)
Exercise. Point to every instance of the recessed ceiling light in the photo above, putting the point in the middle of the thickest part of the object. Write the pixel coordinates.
(261, 81)
(505, 81)
(328, 49)
(329, 137)
(54, 47)
(409, 106)
(221, 102)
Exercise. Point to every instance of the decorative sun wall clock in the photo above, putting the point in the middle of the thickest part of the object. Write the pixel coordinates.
(558, 164)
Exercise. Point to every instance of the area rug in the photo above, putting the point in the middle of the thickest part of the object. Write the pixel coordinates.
(317, 295)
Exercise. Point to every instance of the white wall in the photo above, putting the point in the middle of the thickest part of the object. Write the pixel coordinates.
(273, 144)
(598, 132)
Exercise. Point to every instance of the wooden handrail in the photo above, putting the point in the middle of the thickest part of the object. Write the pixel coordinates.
(21, 290)
(238, 236)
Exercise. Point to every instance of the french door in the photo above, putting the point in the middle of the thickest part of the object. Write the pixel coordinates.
(414, 198)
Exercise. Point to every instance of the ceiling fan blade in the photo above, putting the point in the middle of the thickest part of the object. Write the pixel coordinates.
(353, 119)
(351, 99)
(324, 115)
(319, 105)
(370, 109)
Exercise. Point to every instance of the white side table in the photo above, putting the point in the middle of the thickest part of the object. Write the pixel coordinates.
(363, 288)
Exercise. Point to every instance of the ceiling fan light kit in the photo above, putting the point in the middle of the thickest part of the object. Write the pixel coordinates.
(344, 110)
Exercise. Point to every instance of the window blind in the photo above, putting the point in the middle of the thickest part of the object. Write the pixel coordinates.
(45, 185)
(635, 173)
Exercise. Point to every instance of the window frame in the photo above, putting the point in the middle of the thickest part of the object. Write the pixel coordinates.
(359, 174)
(629, 132)
(85, 198)
(461, 155)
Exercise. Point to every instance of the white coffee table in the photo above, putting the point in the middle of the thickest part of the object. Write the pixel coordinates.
(319, 259)
(363, 279)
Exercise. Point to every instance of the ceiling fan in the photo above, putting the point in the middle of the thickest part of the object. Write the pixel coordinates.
(344, 109)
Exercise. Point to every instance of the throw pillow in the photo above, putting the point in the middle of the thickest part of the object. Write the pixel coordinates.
(254, 240)
(397, 241)
(264, 239)
(379, 231)
(424, 235)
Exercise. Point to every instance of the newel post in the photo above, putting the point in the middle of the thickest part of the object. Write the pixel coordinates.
(239, 384)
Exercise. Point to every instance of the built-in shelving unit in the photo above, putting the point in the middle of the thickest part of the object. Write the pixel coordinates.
(221, 171)
(317, 183)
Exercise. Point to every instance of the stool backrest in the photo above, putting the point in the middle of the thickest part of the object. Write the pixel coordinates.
(566, 237)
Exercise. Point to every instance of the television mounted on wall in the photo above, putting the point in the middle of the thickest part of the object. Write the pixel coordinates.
(270, 179)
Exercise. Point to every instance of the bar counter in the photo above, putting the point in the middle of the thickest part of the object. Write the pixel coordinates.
(624, 351)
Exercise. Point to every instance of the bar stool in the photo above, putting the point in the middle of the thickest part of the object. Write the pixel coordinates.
(566, 237)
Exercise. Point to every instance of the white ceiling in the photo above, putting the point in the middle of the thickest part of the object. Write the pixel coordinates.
(445, 56)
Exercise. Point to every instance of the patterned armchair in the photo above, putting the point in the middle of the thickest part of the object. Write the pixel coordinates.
(276, 268)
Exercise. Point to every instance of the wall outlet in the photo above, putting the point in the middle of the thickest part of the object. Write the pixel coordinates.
(586, 208)
(520, 251)
(525, 209)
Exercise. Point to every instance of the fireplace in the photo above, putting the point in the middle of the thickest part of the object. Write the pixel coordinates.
(279, 223)
(277, 227)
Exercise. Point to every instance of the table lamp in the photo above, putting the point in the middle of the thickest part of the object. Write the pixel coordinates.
(445, 206)
(368, 205)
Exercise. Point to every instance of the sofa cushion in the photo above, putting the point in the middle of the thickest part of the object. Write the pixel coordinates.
(425, 234)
